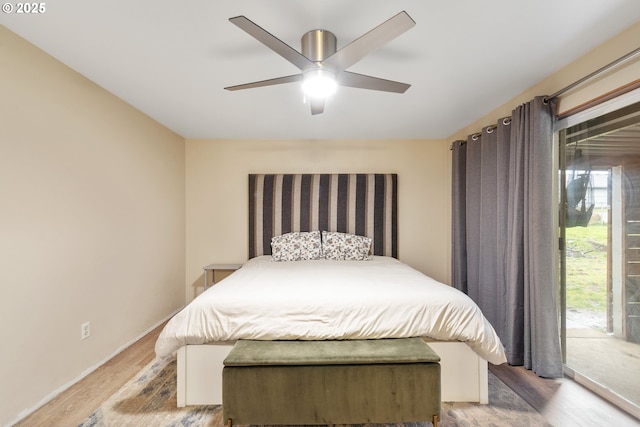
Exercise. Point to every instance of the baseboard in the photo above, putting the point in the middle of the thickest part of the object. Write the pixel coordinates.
(602, 391)
(49, 397)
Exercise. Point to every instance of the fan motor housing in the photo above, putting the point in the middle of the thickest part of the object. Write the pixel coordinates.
(317, 45)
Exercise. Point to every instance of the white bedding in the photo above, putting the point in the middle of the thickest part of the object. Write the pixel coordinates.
(323, 299)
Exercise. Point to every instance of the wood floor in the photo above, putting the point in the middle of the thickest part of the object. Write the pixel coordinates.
(561, 401)
(75, 404)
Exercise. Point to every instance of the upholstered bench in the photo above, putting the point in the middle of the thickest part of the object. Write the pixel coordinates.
(331, 382)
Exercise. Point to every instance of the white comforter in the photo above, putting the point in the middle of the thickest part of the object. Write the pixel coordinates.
(320, 300)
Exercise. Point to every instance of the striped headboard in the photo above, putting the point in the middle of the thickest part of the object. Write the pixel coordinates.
(362, 204)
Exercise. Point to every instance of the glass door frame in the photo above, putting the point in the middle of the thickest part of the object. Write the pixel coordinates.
(561, 199)
(560, 206)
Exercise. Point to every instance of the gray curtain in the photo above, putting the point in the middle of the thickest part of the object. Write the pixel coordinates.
(502, 233)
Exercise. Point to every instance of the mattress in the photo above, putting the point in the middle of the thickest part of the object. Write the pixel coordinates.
(330, 300)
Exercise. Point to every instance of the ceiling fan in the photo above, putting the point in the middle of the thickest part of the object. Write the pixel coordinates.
(322, 67)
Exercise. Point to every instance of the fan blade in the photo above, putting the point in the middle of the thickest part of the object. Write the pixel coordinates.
(361, 81)
(360, 47)
(273, 43)
(317, 106)
(271, 82)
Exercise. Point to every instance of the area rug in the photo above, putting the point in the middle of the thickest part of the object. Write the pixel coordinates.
(149, 399)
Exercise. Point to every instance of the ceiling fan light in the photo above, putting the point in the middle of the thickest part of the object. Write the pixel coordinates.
(319, 84)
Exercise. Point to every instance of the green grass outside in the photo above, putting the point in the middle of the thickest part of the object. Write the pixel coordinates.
(586, 250)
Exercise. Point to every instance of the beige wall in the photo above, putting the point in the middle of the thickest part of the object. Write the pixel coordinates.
(217, 193)
(611, 50)
(91, 225)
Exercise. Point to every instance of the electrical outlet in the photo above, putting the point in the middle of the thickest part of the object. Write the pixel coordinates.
(85, 330)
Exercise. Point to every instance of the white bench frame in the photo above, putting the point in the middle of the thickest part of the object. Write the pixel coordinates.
(464, 374)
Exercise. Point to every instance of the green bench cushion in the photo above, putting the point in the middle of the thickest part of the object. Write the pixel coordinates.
(347, 352)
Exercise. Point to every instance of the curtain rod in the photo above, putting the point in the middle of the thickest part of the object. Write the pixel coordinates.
(596, 73)
(489, 129)
(566, 89)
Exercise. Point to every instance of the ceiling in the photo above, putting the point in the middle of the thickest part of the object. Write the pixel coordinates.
(464, 58)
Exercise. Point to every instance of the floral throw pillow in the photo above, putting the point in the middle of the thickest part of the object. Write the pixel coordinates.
(344, 246)
(296, 246)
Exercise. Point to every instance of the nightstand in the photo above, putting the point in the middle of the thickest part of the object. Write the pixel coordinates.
(217, 267)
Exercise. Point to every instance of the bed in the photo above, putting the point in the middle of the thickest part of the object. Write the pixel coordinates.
(323, 266)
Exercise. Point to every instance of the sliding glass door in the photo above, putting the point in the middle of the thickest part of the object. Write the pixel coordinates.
(600, 246)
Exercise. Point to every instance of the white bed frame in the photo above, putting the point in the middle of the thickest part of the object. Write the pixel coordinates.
(464, 374)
